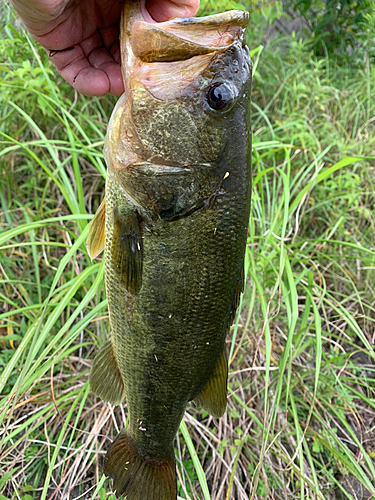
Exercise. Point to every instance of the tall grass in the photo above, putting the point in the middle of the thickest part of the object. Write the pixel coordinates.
(301, 413)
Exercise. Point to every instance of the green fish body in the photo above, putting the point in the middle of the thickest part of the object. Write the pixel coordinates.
(173, 226)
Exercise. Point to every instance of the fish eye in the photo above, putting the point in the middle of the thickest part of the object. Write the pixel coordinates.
(220, 97)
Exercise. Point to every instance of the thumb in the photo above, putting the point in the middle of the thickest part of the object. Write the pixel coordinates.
(163, 10)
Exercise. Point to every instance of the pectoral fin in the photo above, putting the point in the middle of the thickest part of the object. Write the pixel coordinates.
(127, 248)
(96, 236)
(105, 377)
(213, 398)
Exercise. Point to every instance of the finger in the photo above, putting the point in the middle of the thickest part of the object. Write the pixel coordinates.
(87, 79)
(110, 38)
(168, 9)
(115, 52)
(95, 82)
(100, 58)
(38, 14)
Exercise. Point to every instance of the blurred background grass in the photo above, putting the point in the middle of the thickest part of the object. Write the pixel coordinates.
(301, 410)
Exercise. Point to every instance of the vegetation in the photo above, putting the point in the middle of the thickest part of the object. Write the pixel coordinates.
(301, 405)
(343, 28)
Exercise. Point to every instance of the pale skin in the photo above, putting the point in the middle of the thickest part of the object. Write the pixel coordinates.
(82, 36)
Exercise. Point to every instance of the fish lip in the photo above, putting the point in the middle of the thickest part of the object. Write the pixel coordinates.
(209, 20)
(234, 17)
(210, 34)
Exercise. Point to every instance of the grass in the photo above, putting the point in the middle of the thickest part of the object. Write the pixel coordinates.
(301, 411)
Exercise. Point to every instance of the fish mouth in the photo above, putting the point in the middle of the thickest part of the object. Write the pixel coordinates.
(182, 38)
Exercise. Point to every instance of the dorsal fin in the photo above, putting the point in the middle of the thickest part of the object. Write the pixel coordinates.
(213, 397)
(96, 236)
(105, 377)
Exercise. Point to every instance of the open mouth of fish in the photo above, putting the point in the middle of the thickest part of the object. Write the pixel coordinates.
(185, 38)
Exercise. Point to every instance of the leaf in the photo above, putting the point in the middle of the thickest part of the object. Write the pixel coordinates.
(6, 477)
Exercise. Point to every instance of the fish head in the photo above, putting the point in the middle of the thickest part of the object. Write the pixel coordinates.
(187, 94)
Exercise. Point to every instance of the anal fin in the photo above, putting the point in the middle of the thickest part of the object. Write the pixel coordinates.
(96, 236)
(213, 397)
(105, 377)
(127, 248)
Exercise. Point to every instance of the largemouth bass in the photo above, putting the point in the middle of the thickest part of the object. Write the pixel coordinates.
(173, 226)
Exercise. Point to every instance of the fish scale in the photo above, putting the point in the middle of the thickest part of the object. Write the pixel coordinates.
(176, 214)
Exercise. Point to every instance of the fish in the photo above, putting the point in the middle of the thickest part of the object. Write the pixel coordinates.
(173, 226)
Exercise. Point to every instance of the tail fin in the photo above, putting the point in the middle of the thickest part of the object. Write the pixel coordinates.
(139, 477)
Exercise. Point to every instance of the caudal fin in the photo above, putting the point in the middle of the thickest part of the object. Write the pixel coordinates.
(139, 477)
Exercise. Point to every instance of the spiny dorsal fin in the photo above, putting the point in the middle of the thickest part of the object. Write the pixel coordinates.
(105, 377)
(213, 398)
(96, 236)
(127, 248)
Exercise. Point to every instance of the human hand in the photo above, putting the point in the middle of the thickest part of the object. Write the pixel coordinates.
(82, 37)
